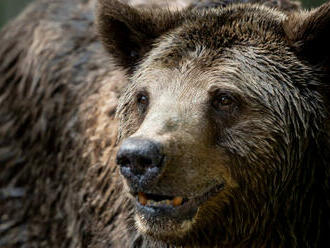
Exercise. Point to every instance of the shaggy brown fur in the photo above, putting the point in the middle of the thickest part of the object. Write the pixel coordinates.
(59, 90)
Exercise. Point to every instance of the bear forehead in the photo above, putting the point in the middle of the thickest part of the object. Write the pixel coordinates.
(218, 29)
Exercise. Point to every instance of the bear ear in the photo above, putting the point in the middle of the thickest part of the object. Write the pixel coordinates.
(128, 33)
(308, 34)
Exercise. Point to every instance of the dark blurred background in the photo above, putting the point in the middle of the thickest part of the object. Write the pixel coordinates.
(10, 8)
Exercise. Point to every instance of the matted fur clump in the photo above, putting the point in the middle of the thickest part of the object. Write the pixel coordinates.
(201, 124)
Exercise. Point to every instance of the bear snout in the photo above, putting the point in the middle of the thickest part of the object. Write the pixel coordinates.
(140, 161)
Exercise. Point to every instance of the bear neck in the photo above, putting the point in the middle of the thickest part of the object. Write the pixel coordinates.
(307, 212)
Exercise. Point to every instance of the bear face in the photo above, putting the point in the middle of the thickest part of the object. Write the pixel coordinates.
(221, 114)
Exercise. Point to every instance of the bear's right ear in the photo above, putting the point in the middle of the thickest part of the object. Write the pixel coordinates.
(128, 33)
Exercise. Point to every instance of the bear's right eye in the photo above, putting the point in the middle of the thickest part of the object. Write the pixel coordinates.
(142, 101)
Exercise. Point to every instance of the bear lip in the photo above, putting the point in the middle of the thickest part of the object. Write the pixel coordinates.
(160, 206)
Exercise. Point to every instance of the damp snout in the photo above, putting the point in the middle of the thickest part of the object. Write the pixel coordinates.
(140, 162)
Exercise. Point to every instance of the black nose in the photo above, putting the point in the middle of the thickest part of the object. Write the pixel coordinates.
(140, 161)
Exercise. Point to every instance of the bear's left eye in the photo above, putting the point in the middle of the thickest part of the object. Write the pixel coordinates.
(222, 102)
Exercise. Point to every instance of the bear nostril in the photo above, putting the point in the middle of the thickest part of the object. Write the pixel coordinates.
(145, 162)
(140, 162)
(123, 161)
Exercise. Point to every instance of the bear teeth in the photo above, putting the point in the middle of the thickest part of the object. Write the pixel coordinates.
(177, 201)
(143, 200)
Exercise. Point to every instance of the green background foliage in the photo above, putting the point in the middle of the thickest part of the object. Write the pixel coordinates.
(10, 8)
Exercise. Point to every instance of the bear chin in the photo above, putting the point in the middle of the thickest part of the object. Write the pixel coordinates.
(162, 228)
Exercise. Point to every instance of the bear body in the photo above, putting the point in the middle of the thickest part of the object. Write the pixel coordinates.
(200, 127)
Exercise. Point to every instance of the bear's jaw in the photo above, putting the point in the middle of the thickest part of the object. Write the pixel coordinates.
(169, 216)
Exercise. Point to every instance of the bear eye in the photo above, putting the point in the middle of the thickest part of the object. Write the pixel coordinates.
(222, 102)
(142, 101)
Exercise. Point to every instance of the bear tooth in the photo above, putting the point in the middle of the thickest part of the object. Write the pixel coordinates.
(142, 198)
(177, 201)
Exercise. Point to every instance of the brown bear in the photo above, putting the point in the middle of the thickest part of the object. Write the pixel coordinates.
(222, 139)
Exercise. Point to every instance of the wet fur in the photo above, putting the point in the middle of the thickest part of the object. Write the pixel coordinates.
(59, 92)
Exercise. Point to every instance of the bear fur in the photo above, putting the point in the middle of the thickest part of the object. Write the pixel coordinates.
(60, 91)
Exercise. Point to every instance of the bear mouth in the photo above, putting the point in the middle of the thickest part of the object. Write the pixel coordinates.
(153, 200)
(174, 207)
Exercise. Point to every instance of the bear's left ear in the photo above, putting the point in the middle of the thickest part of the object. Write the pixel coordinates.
(309, 34)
